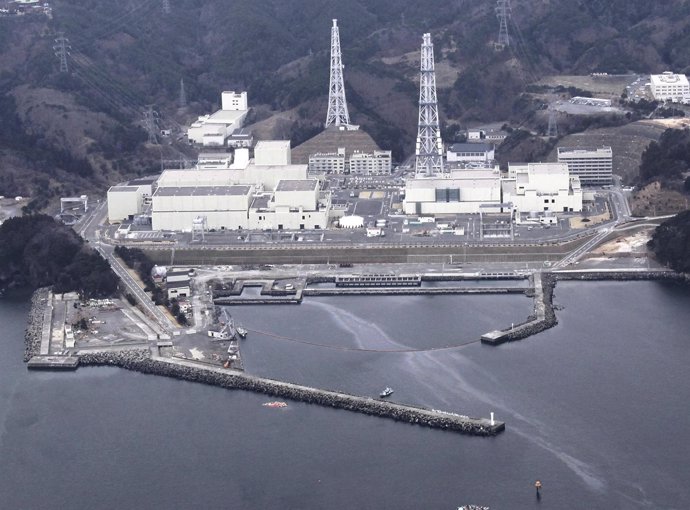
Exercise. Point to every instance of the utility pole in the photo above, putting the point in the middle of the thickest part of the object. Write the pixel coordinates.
(151, 124)
(429, 149)
(337, 105)
(61, 49)
(166, 6)
(503, 12)
(183, 94)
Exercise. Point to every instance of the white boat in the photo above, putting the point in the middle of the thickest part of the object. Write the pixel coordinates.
(241, 331)
(386, 393)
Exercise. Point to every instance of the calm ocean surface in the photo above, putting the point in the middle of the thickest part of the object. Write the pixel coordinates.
(596, 408)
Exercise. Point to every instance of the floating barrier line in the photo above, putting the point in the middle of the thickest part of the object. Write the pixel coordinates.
(358, 349)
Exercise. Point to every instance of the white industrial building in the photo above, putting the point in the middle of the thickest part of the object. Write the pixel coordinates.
(297, 204)
(542, 187)
(224, 207)
(460, 192)
(233, 193)
(214, 129)
(128, 200)
(470, 152)
(594, 166)
(670, 87)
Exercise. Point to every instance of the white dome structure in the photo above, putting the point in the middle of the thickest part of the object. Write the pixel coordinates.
(351, 222)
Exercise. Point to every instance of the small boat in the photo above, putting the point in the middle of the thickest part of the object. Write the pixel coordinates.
(386, 393)
(241, 331)
(275, 404)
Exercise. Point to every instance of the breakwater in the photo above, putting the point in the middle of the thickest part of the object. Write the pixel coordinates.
(142, 361)
(544, 285)
(40, 301)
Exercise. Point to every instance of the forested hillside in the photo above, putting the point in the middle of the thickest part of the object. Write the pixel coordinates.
(67, 132)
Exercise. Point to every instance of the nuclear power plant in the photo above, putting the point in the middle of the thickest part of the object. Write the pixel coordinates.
(270, 186)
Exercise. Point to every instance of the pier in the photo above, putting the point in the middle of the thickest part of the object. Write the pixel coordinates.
(53, 363)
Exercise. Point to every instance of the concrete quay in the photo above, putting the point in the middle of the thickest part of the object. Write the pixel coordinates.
(53, 363)
(142, 361)
(408, 291)
(269, 293)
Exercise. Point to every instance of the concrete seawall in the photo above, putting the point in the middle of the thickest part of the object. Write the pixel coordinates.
(141, 361)
(411, 291)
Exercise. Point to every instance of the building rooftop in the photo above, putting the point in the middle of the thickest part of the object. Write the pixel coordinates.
(584, 150)
(122, 189)
(471, 147)
(297, 185)
(261, 202)
(143, 181)
(177, 285)
(173, 191)
(272, 144)
(669, 78)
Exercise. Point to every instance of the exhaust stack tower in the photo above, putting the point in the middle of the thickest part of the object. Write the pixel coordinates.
(429, 150)
(337, 105)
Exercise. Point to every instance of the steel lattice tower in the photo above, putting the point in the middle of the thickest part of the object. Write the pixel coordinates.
(61, 49)
(151, 124)
(503, 13)
(337, 105)
(429, 149)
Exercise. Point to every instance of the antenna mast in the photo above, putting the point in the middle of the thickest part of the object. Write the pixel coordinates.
(337, 105)
(429, 150)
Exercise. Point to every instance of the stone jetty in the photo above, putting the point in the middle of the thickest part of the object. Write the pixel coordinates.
(40, 306)
(143, 361)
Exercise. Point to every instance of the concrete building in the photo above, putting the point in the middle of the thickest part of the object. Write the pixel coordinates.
(670, 87)
(227, 191)
(272, 153)
(241, 138)
(129, 200)
(295, 205)
(224, 207)
(470, 152)
(542, 187)
(328, 162)
(486, 135)
(370, 163)
(593, 166)
(461, 192)
(214, 129)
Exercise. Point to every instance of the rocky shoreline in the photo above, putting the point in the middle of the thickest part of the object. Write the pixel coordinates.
(34, 328)
(141, 361)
